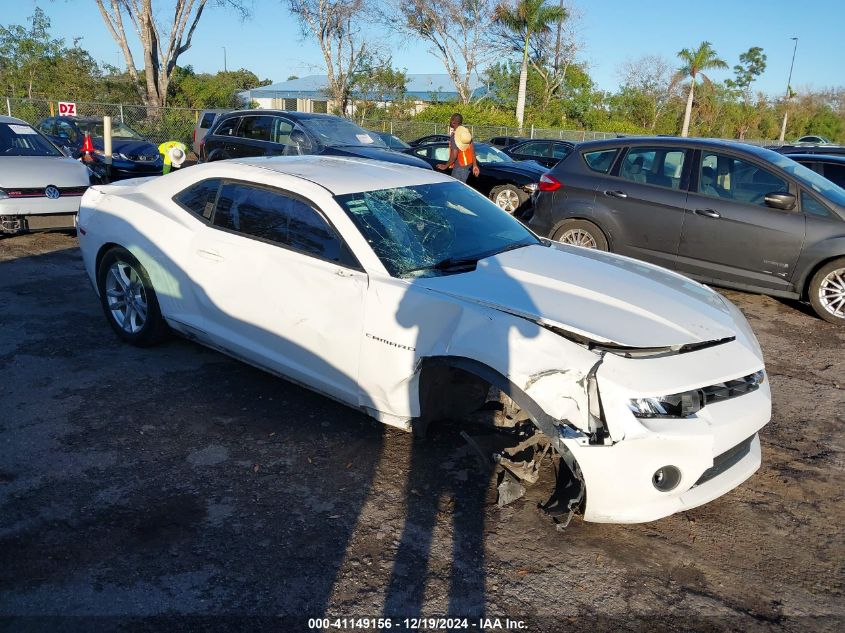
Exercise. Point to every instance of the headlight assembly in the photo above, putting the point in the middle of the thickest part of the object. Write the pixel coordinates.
(683, 405)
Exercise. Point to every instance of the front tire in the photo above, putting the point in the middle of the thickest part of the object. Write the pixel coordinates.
(581, 233)
(827, 291)
(508, 197)
(128, 299)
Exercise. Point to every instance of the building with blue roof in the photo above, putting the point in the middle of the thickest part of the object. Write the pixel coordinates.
(308, 94)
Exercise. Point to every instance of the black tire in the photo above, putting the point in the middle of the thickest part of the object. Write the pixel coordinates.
(824, 291)
(139, 332)
(510, 192)
(577, 232)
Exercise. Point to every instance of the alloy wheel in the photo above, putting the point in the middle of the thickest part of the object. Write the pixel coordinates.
(578, 237)
(126, 297)
(832, 292)
(507, 200)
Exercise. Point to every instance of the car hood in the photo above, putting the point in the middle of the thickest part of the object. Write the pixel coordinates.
(602, 297)
(26, 172)
(378, 153)
(129, 146)
(528, 168)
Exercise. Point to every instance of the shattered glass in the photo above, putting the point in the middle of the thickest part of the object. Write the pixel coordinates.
(415, 230)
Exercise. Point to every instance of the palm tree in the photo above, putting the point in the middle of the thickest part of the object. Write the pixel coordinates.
(704, 58)
(525, 19)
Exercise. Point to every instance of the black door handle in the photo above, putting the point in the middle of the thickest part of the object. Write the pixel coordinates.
(710, 213)
(616, 194)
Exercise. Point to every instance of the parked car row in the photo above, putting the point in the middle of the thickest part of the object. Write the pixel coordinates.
(724, 213)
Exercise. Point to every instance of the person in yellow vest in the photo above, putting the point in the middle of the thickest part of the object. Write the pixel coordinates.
(461, 151)
(174, 154)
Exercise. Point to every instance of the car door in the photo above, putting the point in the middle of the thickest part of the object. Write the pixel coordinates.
(729, 232)
(644, 198)
(278, 287)
(254, 136)
(221, 143)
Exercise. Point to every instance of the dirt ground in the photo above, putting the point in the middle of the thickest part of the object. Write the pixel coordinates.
(151, 489)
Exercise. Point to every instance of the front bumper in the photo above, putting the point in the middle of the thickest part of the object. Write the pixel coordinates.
(715, 451)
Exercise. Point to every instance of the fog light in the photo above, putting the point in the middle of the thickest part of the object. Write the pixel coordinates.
(666, 478)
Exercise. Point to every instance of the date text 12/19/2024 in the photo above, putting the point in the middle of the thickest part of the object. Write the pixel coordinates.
(417, 624)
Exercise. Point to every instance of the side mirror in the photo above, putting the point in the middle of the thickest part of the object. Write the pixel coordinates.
(779, 200)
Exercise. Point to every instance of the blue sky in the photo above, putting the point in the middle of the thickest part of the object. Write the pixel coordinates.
(270, 44)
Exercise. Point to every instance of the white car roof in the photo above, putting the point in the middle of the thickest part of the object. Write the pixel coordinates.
(342, 175)
(11, 119)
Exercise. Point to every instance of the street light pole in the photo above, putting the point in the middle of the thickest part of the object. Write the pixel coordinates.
(225, 70)
(788, 92)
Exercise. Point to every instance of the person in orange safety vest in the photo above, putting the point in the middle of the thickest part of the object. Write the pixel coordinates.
(461, 151)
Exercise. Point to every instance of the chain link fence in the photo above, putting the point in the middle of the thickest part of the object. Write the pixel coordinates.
(155, 124)
(410, 130)
(177, 124)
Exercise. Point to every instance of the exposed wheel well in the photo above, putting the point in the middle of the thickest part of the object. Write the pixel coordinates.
(450, 385)
(105, 248)
(805, 286)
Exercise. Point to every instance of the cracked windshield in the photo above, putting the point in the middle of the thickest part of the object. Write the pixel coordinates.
(433, 229)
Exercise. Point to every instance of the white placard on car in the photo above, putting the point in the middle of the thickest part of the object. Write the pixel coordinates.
(21, 129)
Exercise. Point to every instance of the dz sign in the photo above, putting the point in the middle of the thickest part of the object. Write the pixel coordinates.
(67, 109)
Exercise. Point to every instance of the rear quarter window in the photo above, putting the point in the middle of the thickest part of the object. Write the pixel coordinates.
(199, 198)
(227, 127)
(601, 160)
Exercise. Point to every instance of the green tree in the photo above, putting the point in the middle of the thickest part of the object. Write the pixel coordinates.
(526, 19)
(34, 64)
(694, 63)
(752, 64)
(204, 90)
(380, 89)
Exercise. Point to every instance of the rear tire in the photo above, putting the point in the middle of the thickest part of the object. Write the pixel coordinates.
(827, 291)
(128, 299)
(581, 233)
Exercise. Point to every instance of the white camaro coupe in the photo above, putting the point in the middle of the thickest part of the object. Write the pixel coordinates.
(407, 295)
(40, 188)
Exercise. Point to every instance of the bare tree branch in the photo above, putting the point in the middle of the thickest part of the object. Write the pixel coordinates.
(160, 59)
(456, 30)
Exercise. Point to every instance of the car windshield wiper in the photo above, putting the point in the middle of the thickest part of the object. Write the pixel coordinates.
(451, 263)
(448, 264)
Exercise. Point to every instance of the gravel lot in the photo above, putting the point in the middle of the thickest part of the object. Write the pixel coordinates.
(176, 482)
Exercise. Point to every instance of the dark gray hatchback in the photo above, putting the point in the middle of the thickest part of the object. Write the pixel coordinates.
(724, 213)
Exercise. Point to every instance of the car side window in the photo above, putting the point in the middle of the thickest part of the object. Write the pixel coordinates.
(207, 120)
(65, 129)
(277, 217)
(722, 176)
(811, 206)
(535, 149)
(440, 153)
(659, 166)
(257, 128)
(422, 152)
(199, 197)
(600, 160)
(561, 151)
(47, 127)
(227, 127)
(835, 173)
